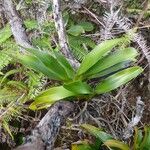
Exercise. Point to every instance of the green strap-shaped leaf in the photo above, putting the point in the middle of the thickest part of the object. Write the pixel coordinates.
(97, 132)
(78, 87)
(97, 53)
(34, 63)
(50, 62)
(118, 79)
(5, 34)
(116, 144)
(65, 64)
(116, 57)
(50, 96)
(110, 70)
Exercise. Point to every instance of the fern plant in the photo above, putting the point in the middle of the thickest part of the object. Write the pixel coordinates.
(141, 140)
(5, 47)
(4, 59)
(35, 83)
(14, 93)
(10, 95)
(79, 43)
(100, 62)
(11, 101)
(5, 33)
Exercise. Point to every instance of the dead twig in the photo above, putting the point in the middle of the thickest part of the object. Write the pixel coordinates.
(61, 33)
(139, 112)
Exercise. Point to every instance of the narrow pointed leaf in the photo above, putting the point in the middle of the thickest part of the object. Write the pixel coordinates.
(116, 57)
(50, 96)
(50, 62)
(78, 87)
(110, 70)
(118, 79)
(98, 133)
(65, 64)
(116, 144)
(1, 73)
(97, 53)
(34, 63)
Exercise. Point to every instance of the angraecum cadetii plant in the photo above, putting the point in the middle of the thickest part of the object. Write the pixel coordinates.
(109, 62)
(104, 46)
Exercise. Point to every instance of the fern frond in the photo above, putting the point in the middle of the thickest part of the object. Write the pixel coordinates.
(8, 113)
(9, 94)
(11, 105)
(77, 46)
(5, 34)
(12, 111)
(4, 59)
(9, 49)
(43, 5)
(36, 83)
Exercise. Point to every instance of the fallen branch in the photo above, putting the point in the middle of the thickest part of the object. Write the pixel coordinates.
(45, 133)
